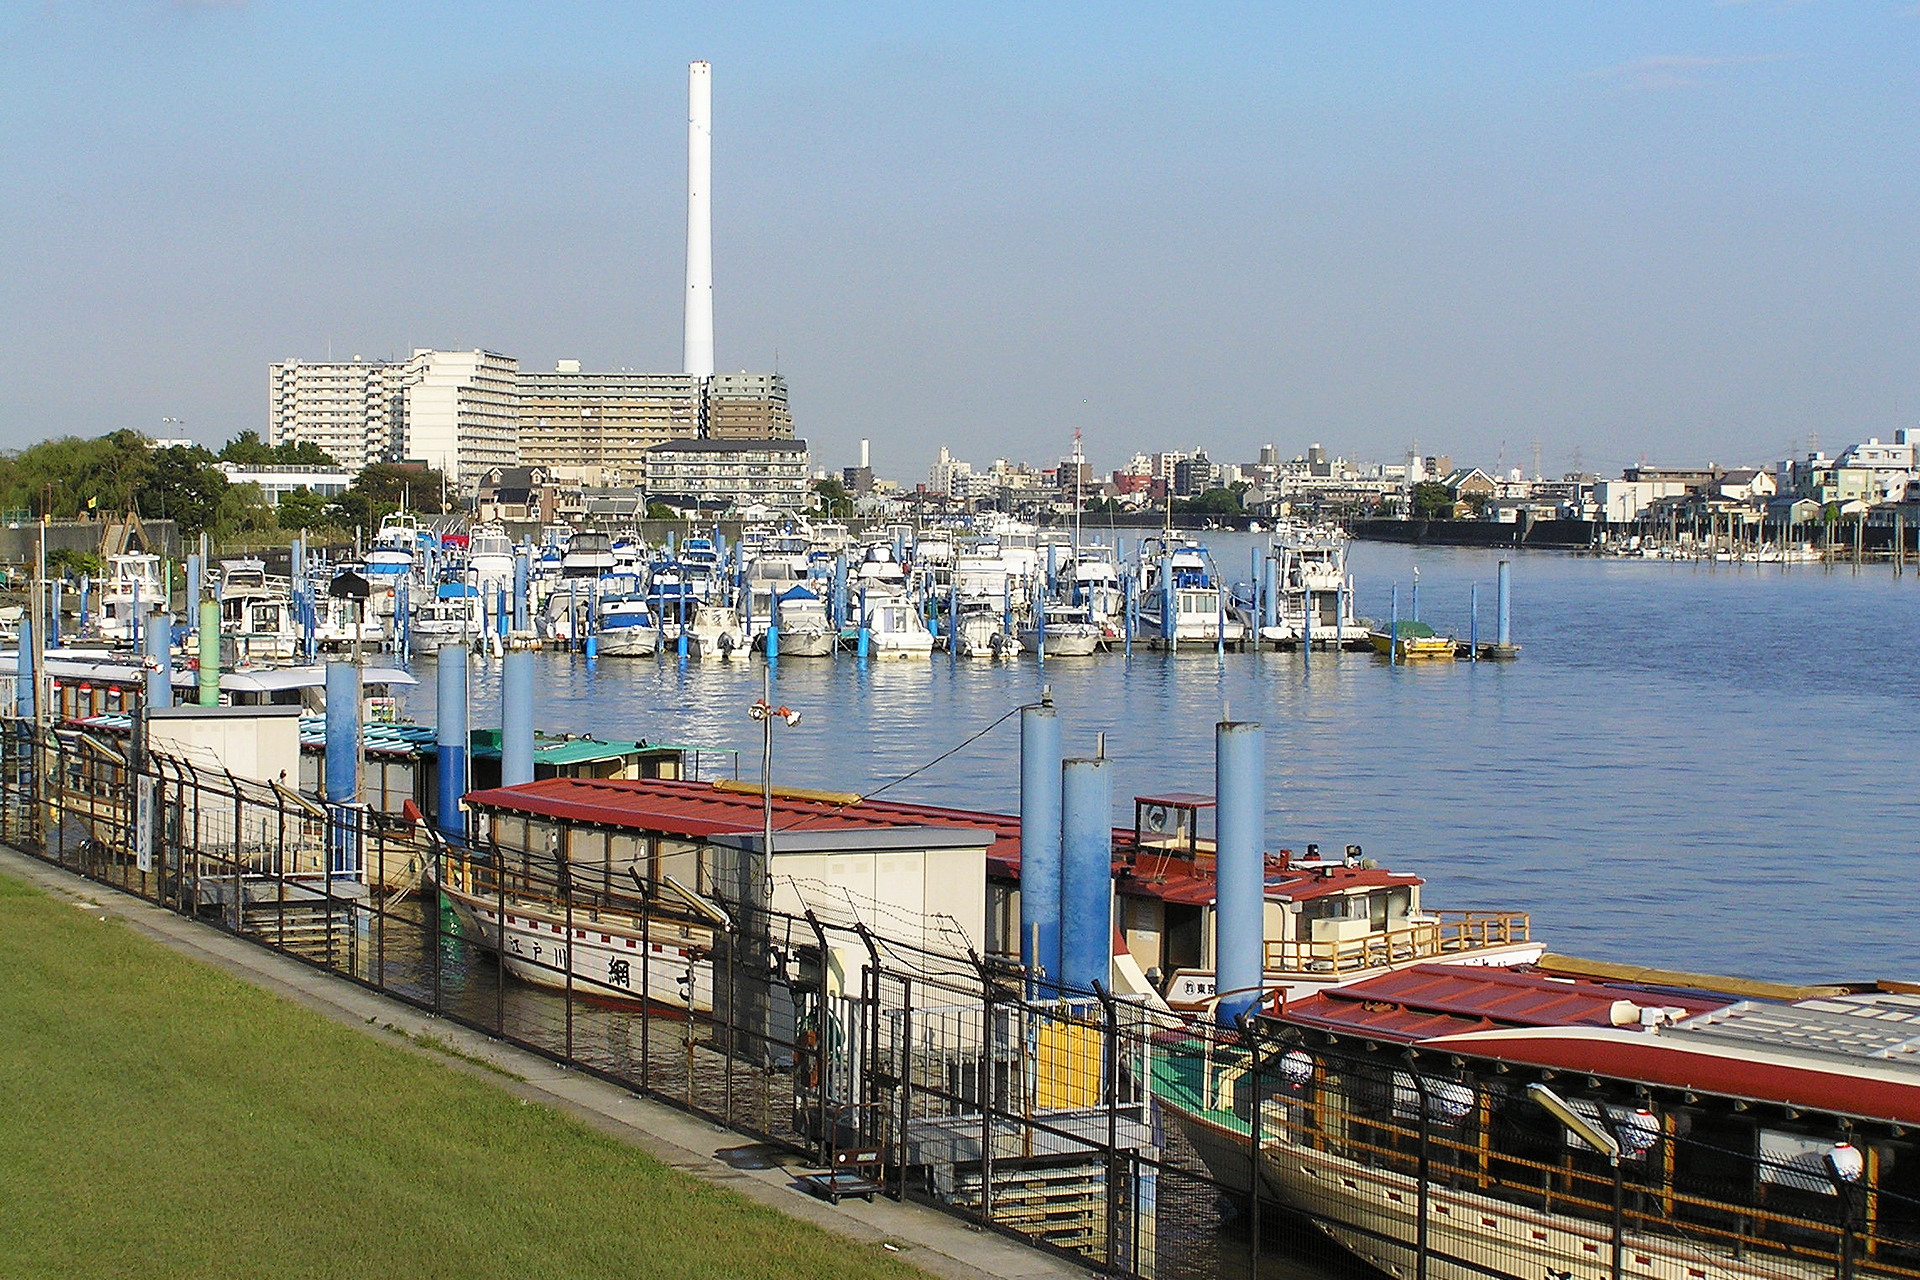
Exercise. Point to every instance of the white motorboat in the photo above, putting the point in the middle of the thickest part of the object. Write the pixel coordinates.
(490, 557)
(1069, 633)
(588, 555)
(715, 632)
(455, 613)
(893, 623)
(624, 625)
(981, 631)
(1181, 598)
(132, 588)
(805, 631)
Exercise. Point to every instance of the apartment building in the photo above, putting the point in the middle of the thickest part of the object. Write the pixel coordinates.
(719, 475)
(747, 406)
(595, 428)
(350, 408)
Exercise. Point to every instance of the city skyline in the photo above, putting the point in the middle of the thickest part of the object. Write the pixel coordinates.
(1686, 233)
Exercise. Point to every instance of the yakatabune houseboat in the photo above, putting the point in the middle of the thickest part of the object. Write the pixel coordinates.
(1328, 920)
(658, 871)
(1470, 1124)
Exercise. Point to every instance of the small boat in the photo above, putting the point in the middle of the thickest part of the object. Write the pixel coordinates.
(714, 631)
(981, 631)
(394, 547)
(456, 612)
(894, 626)
(132, 588)
(1070, 633)
(804, 630)
(625, 626)
(588, 555)
(490, 557)
(1412, 640)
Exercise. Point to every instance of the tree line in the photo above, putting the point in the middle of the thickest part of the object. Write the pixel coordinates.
(71, 478)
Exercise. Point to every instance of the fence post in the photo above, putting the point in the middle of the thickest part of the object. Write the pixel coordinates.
(985, 1086)
(1420, 1233)
(563, 867)
(906, 1081)
(1110, 1019)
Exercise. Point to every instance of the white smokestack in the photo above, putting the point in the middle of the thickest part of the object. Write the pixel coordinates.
(863, 454)
(699, 340)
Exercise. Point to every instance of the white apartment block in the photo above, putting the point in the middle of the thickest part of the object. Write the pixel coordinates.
(462, 412)
(948, 474)
(349, 408)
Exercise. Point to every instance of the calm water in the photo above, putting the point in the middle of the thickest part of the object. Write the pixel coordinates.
(1698, 767)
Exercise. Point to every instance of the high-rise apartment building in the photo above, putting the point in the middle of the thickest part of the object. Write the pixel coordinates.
(596, 428)
(721, 475)
(747, 406)
(349, 408)
(462, 412)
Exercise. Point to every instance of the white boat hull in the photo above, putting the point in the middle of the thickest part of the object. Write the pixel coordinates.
(663, 965)
(805, 643)
(628, 642)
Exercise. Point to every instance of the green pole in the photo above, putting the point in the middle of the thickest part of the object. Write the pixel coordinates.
(209, 653)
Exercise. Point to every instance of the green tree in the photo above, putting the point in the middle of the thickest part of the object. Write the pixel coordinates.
(301, 508)
(184, 486)
(382, 488)
(245, 515)
(1433, 501)
(661, 511)
(1214, 502)
(835, 502)
(248, 450)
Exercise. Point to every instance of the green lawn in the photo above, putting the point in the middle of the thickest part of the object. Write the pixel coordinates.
(162, 1119)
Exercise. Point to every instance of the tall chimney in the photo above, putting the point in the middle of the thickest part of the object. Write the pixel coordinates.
(699, 340)
(864, 457)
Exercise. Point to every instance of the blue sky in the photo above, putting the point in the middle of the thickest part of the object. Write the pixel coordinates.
(1686, 231)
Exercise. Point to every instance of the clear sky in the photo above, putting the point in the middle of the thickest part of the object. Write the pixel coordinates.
(1685, 230)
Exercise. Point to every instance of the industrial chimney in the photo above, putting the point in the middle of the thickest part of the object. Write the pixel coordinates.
(699, 336)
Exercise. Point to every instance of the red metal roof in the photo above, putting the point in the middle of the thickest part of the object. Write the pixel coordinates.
(1418, 1003)
(694, 809)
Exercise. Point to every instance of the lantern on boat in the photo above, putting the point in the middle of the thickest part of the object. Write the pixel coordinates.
(1845, 1162)
(1296, 1068)
(1638, 1131)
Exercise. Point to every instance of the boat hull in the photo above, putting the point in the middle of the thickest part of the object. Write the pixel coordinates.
(662, 964)
(805, 643)
(628, 642)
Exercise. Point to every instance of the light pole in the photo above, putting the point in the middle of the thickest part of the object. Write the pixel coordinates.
(766, 713)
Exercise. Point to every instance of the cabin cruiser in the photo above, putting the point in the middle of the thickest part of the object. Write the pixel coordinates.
(981, 630)
(394, 548)
(457, 611)
(132, 589)
(804, 629)
(714, 631)
(588, 555)
(1093, 582)
(490, 557)
(893, 623)
(1313, 594)
(256, 612)
(624, 625)
(1069, 633)
(1179, 576)
(700, 566)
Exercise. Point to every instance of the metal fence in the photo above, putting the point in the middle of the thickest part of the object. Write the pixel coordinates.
(1087, 1124)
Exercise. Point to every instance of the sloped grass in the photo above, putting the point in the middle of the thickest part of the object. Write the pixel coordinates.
(160, 1118)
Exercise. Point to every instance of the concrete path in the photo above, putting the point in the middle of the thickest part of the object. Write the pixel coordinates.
(929, 1239)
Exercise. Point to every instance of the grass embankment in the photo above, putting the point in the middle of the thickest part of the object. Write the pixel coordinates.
(160, 1118)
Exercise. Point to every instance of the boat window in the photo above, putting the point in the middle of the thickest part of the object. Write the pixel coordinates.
(510, 831)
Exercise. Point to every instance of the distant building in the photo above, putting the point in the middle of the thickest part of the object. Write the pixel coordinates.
(527, 494)
(720, 475)
(351, 409)
(747, 406)
(274, 482)
(596, 428)
(462, 412)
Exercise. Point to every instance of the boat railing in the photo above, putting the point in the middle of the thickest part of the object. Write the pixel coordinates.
(1430, 936)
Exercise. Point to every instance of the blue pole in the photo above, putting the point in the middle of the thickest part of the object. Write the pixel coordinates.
(773, 625)
(1473, 623)
(1086, 874)
(193, 585)
(1239, 818)
(160, 650)
(343, 765)
(450, 718)
(1506, 605)
(1270, 602)
(1127, 605)
(521, 573)
(1416, 594)
(1393, 629)
(865, 639)
(86, 588)
(53, 613)
(1040, 623)
(1340, 613)
(1306, 624)
(680, 603)
(953, 615)
(1040, 781)
(1006, 609)
(516, 718)
(26, 683)
(1169, 620)
(343, 733)
(1053, 568)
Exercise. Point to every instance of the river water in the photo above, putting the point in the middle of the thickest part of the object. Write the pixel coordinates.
(1702, 767)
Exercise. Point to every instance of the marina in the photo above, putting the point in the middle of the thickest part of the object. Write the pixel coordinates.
(619, 908)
